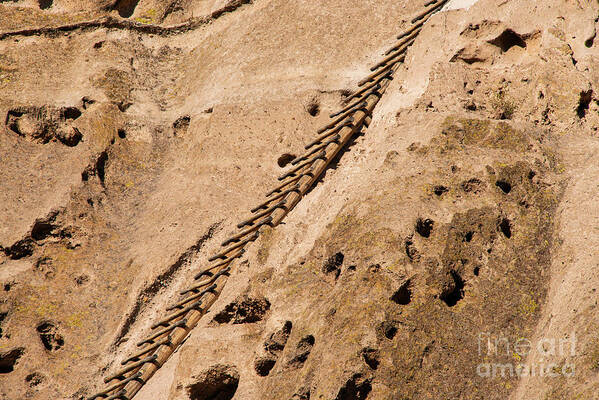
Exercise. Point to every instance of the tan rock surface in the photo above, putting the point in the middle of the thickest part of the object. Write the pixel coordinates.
(137, 135)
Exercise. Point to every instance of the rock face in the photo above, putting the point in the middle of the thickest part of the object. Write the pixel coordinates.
(451, 252)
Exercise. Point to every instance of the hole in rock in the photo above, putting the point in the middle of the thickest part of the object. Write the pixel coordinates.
(424, 227)
(34, 379)
(263, 365)
(333, 264)
(44, 4)
(22, 248)
(81, 279)
(455, 292)
(589, 42)
(41, 230)
(584, 102)
(98, 45)
(356, 388)
(476, 271)
(285, 159)
(276, 342)
(70, 113)
(101, 166)
(2, 318)
(181, 124)
(302, 351)
(473, 185)
(504, 186)
(126, 8)
(439, 190)
(371, 357)
(531, 174)
(49, 336)
(411, 250)
(243, 310)
(122, 133)
(506, 227)
(313, 109)
(507, 40)
(220, 382)
(388, 329)
(8, 359)
(468, 236)
(403, 295)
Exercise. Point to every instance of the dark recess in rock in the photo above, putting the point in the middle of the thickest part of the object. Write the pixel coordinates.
(8, 359)
(507, 40)
(333, 264)
(371, 357)
(243, 310)
(505, 186)
(506, 227)
(285, 159)
(356, 388)
(439, 190)
(34, 379)
(302, 351)
(455, 291)
(125, 8)
(424, 227)
(313, 109)
(51, 339)
(220, 382)
(44, 4)
(584, 102)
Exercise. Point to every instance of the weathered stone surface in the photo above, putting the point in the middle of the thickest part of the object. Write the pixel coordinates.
(467, 212)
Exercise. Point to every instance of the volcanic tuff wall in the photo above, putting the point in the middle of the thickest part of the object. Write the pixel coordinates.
(467, 207)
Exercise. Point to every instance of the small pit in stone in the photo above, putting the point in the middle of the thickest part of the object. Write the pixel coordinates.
(424, 227)
(411, 250)
(122, 133)
(273, 347)
(51, 339)
(468, 236)
(371, 357)
(302, 351)
(455, 291)
(473, 185)
(243, 310)
(583, 103)
(440, 190)
(285, 159)
(507, 40)
(505, 226)
(181, 125)
(356, 388)
(125, 8)
(44, 4)
(2, 318)
(219, 382)
(263, 365)
(34, 379)
(388, 329)
(333, 264)
(403, 295)
(313, 109)
(589, 42)
(9, 359)
(505, 186)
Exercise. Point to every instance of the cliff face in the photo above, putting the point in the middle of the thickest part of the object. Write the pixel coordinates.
(460, 226)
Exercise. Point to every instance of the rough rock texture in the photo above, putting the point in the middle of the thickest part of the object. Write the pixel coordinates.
(135, 134)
